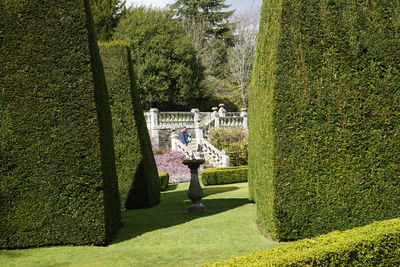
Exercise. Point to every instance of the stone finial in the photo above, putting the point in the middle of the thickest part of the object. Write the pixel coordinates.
(154, 116)
(222, 110)
(215, 112)
(243, 114)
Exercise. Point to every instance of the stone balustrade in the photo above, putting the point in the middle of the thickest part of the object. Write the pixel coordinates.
(176, 119)
(213, 155)
(164, 126)
(178, 145)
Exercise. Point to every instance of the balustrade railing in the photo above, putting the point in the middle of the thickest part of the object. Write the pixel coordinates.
(214, 155)
(233, 114)
(178, 145)
(176, 118)
(231, 121)
(201, 122)
(195, 118)
(207, 127)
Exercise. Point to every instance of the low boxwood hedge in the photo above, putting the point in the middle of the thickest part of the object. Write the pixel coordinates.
(377, 244)
(228, 175)
(164, 180)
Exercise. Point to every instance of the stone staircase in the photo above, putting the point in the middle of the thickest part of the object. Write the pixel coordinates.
(192, 145)
(209, 163)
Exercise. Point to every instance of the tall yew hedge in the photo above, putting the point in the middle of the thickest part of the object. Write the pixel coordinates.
(136, 168)
(324, 116)
(58, 180)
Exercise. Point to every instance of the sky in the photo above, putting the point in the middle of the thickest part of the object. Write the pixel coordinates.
(240, 5)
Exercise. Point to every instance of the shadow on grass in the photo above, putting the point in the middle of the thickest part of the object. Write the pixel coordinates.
(171, 187)
(172, 211)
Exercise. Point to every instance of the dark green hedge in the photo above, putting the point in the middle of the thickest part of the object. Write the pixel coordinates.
(164, 180)
(58, 180)
(324, 116)
(377, 244)
(228, 175)
(136, 167)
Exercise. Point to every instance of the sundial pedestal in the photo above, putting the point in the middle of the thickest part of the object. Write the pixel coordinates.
(195, 192)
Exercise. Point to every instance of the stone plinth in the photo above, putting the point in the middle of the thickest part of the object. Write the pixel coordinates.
(195, 192)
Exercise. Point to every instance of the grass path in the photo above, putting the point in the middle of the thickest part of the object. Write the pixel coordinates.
(165, 235)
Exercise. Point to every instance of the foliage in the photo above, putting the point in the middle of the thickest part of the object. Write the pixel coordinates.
(325, 116)
(207, 26)
(216, 59)
(228, 175)
(207, 12)
(234, 141)
(219, 91)
(106, 15)
(171, 162)
(136, 168)
(164, 58)
(241, 53)
(58, 180)
(164, 180)
(376, 244)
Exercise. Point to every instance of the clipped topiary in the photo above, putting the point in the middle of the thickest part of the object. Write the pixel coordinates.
(58, 180)
(136, 168)
(164, 180)
(325, 116)
(225, 175)
(376, 244)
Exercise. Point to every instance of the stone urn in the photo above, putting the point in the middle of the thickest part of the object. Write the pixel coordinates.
(195, 192)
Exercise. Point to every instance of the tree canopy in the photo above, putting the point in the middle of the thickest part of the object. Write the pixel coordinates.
(164, 58)
(205, 11)
(106, 14)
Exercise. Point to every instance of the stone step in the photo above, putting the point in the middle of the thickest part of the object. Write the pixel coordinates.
(193, 147)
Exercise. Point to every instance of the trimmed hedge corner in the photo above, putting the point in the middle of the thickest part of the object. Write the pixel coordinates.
(377, 244)
(228, 175)
(164, 180)
(58, 179)
(324, 116)
(136, 168)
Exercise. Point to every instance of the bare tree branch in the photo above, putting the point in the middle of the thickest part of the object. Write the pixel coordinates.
(241, 55)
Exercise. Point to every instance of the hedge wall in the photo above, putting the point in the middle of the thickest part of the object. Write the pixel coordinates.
(325, 116)
(58, 180)
(377, 244)
(136, 168)
(228, 175)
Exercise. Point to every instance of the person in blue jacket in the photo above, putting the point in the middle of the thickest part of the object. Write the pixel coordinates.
(184, 136)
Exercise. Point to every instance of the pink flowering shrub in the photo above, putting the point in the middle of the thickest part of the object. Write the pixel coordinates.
(171, 162)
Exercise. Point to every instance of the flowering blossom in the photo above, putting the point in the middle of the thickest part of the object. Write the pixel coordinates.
(171, 162)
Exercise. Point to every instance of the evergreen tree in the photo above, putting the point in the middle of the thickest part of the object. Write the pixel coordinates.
(164, 58)
(205, 11)
(106, 14)
(206, 22)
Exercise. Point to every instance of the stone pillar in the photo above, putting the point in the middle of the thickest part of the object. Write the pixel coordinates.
(196, 114)
(222, 110)
(225, 159)
(198, 130)
(245, 118)
(195, 192)
(215, 115)
(173, 135)
(154, 126)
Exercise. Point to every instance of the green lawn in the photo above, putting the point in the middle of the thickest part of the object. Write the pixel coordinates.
(166, 235)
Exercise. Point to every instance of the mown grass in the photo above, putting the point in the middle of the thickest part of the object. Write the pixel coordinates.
(166, 235)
